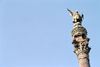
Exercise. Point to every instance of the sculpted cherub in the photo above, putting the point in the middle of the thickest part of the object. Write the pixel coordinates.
(76, 16)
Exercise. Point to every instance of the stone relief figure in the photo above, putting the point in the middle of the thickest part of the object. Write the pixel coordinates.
(81, 47)
(76, 16)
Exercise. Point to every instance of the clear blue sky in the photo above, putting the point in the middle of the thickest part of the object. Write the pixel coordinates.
(37, 33)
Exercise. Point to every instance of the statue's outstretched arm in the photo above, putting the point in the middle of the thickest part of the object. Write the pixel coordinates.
(71, 13)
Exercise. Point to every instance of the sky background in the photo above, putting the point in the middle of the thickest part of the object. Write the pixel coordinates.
(37, 33)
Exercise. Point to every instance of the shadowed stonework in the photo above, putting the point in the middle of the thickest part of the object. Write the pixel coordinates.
(80, 40)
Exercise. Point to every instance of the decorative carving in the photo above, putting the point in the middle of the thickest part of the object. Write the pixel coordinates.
(78, 30)
(81, 47)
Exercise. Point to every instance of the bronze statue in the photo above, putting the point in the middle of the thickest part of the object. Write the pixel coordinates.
(76, 16)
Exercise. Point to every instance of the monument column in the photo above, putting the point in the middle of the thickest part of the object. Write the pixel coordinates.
(80, 40)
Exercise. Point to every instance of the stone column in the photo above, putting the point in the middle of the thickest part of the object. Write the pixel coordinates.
(80, 42)
(84, 62)
(80, 39)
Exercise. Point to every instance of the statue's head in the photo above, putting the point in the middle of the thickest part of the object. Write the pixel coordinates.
(76, 11)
